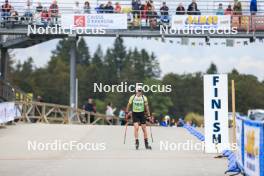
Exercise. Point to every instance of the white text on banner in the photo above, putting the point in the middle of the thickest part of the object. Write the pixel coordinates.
(94, 21)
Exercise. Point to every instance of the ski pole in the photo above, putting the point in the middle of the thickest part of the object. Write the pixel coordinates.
(125, 132)
(151, 133)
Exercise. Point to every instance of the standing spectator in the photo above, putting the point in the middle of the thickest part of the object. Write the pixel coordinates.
(237, 8)
(91, 108)
(54, 11)
(253, 7)
(86, 7)
(122, 115)
(220, 10)
(77, 8)
(164, 11)
(180, 10)
(39, 8)
(136, 8)
(6, 10)
(117, 8)
(109, 8)
(229, 10)
(110, 112)
(193, 9)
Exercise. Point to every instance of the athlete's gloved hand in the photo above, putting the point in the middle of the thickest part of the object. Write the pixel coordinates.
(149, 118)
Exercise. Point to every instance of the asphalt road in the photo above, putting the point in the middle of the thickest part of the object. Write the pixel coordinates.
(101, 152)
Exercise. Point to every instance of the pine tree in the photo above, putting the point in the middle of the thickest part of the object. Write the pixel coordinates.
(212, 69)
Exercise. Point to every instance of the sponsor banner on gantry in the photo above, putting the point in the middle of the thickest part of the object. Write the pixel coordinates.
(201, 22)
(93, 21)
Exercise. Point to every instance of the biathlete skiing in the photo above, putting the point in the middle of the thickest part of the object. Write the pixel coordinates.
(139, 103)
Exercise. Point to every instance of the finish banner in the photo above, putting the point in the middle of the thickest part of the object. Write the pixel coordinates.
(216, 113)
(201, 22)
(94, 21)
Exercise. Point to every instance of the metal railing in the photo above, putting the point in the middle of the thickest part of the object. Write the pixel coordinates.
(203, 5)
(142, 20)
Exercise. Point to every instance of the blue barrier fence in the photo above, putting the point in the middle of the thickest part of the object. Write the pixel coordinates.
(249, 157)
(250, 151)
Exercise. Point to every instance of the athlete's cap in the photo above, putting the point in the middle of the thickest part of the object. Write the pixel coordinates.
(139, 88)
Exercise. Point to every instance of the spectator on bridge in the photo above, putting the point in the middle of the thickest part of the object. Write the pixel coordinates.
(136, 5)
(253, 7)
(45, 16)
(164, 12)
(100, 8)
(229, 10)
(117, 7)
(77, 9)
(86, 7)
(152, 17)
(6, 10)
(28, 12)
(54, 11)
(237, 8)
(148, 10)
(193, 9)
(39, 8)
(180, 10)
(38, 11)
(220, 10)
(14, 14)
(143, 10)
(109, 8)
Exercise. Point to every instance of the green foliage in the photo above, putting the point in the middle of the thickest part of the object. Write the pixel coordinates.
(212, 69)
(117, 65)
(195, 118)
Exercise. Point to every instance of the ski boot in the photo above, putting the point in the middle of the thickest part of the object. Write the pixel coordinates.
(148, 147)
(137, 144)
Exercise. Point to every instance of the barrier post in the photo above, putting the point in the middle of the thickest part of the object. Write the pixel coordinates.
(234, 110)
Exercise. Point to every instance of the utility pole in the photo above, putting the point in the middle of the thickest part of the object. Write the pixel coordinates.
(73, 102)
